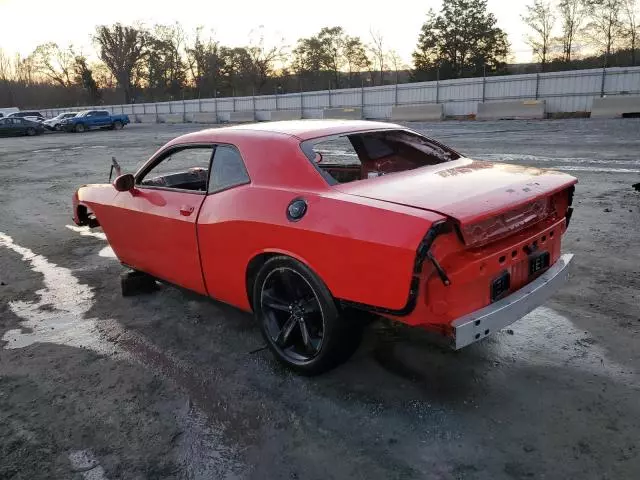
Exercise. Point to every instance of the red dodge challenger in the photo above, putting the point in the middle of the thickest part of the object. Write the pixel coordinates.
(307, 223)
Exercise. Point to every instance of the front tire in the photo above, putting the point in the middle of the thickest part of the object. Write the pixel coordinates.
(299, 319)
(117, 125)
(31, 132)
(80, 128)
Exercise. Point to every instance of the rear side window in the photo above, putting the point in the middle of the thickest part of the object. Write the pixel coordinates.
(359, 156)
(227, 170)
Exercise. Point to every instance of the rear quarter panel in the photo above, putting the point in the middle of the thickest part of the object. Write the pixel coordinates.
(364, 252)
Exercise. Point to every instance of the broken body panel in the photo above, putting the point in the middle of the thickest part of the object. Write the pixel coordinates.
(403, 245)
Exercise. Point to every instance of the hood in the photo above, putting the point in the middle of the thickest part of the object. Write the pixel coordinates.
(464, 189)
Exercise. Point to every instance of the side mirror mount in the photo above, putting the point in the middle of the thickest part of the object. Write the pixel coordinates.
(124, 183)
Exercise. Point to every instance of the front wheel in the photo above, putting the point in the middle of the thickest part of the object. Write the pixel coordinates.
(299, 318)
(80, 128)
(117, 125)
(31, 131)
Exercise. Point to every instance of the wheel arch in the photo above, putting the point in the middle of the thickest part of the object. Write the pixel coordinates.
(260, 258)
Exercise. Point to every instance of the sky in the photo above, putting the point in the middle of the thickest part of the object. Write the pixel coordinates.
(399, 21)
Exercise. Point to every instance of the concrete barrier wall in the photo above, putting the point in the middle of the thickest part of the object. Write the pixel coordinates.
(518, 109)
(276, 115)
(171, 118)
(343, 113)
(239, 117)
(427, 112)
(204, 117)
(146, 118)
(615, 107)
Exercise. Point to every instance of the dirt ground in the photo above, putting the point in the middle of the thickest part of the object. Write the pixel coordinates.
(172, 385)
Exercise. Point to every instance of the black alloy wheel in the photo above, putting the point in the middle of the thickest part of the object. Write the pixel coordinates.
(293, 315)
(299, 319)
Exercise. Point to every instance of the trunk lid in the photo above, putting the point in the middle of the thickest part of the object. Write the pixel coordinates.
(465, 190)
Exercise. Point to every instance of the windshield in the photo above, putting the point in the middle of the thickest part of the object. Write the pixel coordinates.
(347, 158)
(83, 113)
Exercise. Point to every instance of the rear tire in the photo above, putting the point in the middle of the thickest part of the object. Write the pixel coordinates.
(80, 128)
(134, 282)
(299, 319)
(117, 125)
(31, 132)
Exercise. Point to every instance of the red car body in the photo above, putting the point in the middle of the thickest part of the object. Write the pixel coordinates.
(425, 246)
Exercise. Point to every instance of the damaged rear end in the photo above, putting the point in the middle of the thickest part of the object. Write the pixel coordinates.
(497, 256)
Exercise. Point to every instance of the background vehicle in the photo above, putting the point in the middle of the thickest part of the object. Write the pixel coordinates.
(32, 115)
(94, 119)
(56, 122)
(6, 111)
(305, 222)
(12, 126)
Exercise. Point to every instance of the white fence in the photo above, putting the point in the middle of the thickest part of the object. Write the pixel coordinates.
(571, 91)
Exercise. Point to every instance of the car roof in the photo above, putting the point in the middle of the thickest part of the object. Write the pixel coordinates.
(300, 129)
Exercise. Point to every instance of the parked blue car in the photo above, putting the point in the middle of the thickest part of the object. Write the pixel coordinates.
(94, 119)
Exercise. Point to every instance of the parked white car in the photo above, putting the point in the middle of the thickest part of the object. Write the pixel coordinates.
(5, 112)
(55, 122)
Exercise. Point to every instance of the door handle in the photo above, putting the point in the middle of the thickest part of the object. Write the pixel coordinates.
(186, 210)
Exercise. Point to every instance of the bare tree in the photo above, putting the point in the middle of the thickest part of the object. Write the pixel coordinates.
(263, 58)
(378, 52)
(5, 66)
(604, 28)
(396, 62)
(6, 78)
(630, 25)
(541, 19)
(24, 70)
(55, 63)
(122, 49)
(572, 14)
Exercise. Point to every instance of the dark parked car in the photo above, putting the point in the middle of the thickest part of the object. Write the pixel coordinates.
(12, 126)
(29, 115)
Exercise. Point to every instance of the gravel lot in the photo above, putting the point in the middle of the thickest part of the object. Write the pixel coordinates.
(170, 385)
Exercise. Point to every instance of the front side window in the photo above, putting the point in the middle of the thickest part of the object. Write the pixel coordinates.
(181, 169)
(101, 113)
(228, 169)
(358, 156)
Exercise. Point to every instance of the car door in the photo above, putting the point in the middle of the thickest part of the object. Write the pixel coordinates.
(102, 119)
(19, 126)
(90, 120)
(218, 233)
(152, 228)
(5, 127)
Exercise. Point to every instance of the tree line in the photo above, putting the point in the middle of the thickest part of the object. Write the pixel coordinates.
(561, 30)
(136, 63)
